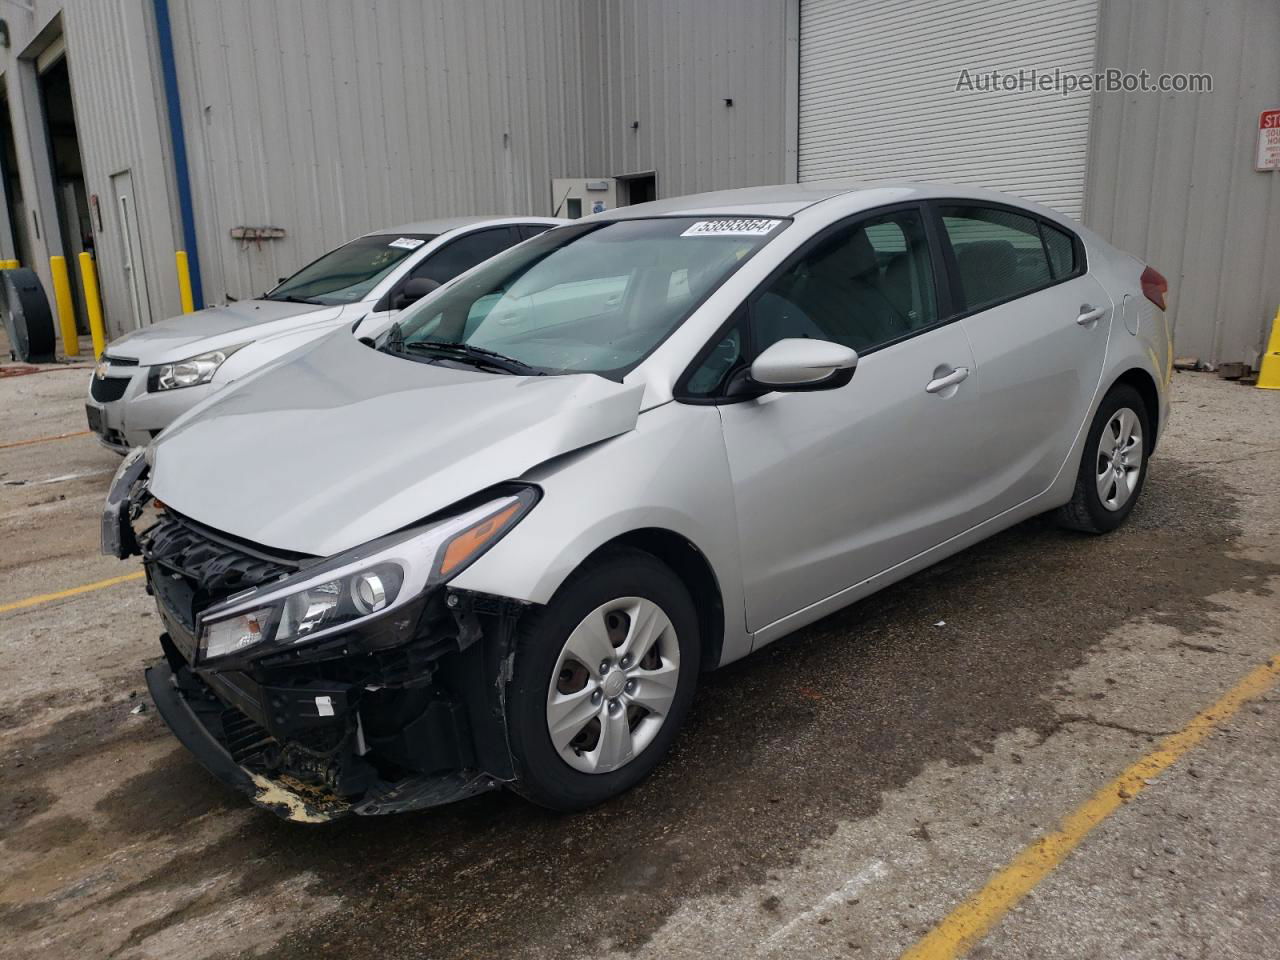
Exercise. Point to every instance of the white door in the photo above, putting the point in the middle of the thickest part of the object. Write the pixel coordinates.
(833, 487)
(131, 247)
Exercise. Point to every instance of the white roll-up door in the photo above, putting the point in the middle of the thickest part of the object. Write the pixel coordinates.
(879, 93)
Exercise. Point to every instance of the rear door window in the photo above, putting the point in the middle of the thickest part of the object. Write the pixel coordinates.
(998, 254)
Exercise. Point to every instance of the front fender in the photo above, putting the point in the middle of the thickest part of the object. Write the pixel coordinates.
(670, 473)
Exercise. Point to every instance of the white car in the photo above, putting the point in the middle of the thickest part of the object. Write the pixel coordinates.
(147, 378)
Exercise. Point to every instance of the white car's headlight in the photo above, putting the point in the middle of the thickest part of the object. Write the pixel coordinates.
(373, 580)
(189, 372)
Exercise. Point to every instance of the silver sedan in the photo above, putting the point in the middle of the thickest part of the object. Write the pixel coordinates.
(496, 542)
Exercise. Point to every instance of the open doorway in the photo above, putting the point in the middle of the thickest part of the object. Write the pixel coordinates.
(12, 185)
(637, 188)
(70, 196)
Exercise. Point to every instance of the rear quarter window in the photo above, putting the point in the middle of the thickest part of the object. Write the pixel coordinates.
(1061, 248)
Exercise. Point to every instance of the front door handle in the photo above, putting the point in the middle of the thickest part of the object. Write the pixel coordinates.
(1089, 314)
(938, 384)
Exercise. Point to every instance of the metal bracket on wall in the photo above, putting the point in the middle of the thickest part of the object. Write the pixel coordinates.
(256, 235)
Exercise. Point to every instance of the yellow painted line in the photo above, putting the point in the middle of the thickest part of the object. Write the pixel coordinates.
(974, 918)
(73, 592)
(57, 436)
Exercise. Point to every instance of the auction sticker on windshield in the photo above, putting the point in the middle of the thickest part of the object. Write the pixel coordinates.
(406, 243)
(732, 227)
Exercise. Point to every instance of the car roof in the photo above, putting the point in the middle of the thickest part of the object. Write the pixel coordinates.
(445, 224)
(783, 200)
(788, 199)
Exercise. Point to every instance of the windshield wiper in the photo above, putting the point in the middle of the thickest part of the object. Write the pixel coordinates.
(465, 352)
(395, 339)
(286, 298)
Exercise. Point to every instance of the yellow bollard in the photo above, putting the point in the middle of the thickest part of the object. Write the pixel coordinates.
(9, 264)
(66, 314)
(93, 303)
(1269, 374)
(184, 282)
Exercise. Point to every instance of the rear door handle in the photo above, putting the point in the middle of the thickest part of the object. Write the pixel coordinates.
(1089, 314)
(950, 380)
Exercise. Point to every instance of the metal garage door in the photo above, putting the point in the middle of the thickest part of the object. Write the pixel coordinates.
(879, 98)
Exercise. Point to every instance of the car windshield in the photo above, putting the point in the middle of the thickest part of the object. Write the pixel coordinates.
(348, 273)
(589, 298)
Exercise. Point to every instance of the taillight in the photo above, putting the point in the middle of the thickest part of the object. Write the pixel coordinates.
(1154, 286)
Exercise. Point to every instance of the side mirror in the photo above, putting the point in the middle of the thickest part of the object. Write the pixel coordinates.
(800, 364)
(413, 291)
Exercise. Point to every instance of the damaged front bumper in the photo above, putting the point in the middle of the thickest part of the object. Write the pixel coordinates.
(379, 714)
(193, 714)
(345, 730)
(291, 800)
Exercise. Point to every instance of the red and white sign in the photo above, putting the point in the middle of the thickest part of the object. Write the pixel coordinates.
(1269, 140)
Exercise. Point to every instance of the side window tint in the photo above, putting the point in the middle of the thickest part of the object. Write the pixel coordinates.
(528, 230)
(464, 253)
(862, 286)
(1062, 251)
(998, 254)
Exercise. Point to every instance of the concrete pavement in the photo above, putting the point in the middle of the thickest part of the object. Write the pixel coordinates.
(838, 794)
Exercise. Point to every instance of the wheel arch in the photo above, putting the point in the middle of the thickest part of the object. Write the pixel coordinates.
(682, 556)
(1142, 381)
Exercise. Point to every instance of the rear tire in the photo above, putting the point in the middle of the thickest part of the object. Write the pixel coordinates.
(614, 715)
(1113, 466)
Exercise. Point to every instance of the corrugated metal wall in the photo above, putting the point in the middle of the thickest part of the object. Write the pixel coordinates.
(119, 115)
(330, 118)
(879, 94)
(669, 65)
(1171, 176)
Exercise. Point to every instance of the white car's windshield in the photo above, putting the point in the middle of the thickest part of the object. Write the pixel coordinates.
(348, 273)
(589, 298)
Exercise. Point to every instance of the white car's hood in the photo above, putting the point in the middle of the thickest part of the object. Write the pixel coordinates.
(343, 444)
(215, 327)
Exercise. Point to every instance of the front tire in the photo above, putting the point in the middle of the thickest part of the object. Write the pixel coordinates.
(603, 679)
(1113, 467)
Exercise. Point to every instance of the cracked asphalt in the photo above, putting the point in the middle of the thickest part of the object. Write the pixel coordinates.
(835, 795)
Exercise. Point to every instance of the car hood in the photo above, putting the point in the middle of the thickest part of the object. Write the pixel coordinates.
(342, 443)
(215, 327)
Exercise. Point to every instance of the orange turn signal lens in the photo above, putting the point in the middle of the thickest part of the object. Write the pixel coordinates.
(467, 544)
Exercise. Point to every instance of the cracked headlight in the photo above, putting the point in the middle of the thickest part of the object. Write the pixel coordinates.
(345, 590)
(189, 372)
